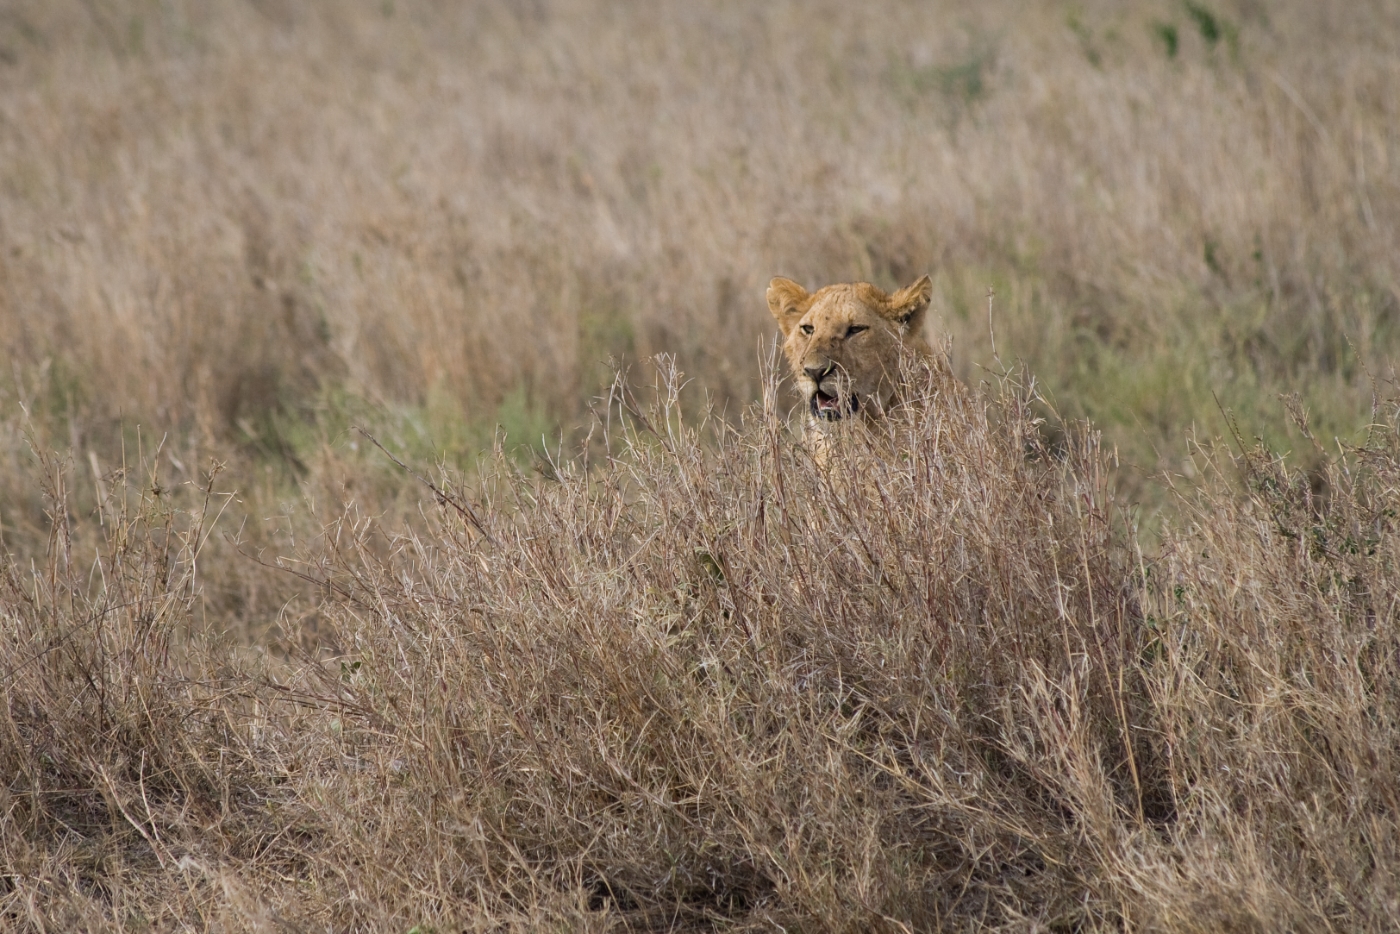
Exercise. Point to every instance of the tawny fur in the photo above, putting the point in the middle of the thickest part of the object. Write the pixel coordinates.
(844, 342)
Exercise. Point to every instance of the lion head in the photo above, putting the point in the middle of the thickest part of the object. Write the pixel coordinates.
(844, 342)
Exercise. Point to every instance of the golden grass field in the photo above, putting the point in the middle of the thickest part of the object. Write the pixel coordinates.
(1111, 644)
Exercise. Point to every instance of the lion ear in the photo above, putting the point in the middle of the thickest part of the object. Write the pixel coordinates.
(785, 299)
(907, 306)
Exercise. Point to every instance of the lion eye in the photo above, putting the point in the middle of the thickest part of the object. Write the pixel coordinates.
(807, 329)
(855, 329)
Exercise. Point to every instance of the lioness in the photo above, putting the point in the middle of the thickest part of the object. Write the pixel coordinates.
(843, 343)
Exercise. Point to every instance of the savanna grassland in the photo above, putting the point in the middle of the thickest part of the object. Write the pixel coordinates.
(1110, 642)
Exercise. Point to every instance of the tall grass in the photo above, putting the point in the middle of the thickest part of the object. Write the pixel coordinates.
(715, 684)
(225, 219)
(973, 669)
(122, 740)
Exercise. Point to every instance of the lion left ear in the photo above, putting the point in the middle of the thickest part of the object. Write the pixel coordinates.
(907, 306)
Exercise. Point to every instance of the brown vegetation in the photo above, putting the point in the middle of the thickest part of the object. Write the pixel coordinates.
(687, 678)
(713, 685)
(215, 213)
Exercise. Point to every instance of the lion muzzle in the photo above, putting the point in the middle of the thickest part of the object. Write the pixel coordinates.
(831, 397)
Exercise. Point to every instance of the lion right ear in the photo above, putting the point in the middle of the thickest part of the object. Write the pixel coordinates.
(786, 300)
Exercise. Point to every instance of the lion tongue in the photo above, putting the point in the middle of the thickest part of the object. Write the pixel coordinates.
(827, 402)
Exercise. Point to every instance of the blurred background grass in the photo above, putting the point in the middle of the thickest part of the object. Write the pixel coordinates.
(233, 229)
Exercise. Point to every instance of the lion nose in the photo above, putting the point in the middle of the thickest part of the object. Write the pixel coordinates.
(820, 371)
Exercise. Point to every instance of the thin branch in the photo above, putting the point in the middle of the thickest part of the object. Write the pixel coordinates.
(463, 508)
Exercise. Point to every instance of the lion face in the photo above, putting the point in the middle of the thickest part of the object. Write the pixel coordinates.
(843, 342)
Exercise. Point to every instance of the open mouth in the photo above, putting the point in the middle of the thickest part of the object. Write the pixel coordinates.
(832, 406)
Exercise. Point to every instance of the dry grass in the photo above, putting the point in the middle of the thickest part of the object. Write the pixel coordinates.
(960, 678)
(709, 685)
(220, 219)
